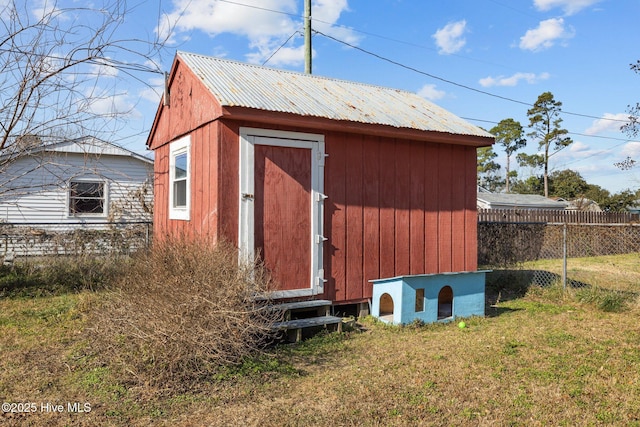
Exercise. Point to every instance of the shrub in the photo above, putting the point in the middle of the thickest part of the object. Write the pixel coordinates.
(183, 310)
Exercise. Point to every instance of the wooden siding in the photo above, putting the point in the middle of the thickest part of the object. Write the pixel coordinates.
(396, 207)
(36, 188)
(204, 181)
(190, 107)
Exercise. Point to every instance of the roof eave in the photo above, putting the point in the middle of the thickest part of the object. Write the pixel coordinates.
(321, 123)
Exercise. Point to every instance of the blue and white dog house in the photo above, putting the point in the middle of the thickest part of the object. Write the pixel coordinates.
(429, 297)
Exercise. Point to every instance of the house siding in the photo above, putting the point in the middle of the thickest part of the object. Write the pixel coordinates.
(38, 194)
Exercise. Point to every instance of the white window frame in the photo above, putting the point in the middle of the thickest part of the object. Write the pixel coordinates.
(177, 148)
(105, 197)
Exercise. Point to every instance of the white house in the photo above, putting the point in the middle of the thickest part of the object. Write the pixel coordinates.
(84, 181)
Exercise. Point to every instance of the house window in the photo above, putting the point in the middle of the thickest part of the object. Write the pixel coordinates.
(87, 198)
(179, 178)
(419, 300)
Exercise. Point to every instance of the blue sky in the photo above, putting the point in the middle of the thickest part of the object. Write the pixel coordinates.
(484, 60)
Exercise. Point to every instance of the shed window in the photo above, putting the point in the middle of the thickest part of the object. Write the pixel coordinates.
(180, 181)
(86, 198)
(179, 176)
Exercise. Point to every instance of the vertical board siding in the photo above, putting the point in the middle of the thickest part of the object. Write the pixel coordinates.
(458, 198)
(417, 213)
(387, 177)
(445, 205)
(395, 207)
(432, 188)
(354, 206)
(402, 198)
(161, 191)
(371, 216)
(204, 177)
(191, 105)
(335, 182)
(228, 164)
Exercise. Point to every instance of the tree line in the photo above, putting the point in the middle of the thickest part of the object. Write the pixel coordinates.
(546, 129)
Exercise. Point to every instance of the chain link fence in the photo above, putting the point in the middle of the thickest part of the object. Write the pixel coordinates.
(569, 255)
(71, 239)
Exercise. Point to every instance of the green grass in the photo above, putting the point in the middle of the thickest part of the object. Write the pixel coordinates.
(543, 356)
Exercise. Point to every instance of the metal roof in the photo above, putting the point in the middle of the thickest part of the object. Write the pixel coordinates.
(512, 200)
(237, 84)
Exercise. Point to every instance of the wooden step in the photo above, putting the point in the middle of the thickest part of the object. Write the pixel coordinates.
(297, 325)
(322, 306)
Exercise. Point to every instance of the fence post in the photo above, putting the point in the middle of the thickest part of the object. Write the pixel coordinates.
(564, 256)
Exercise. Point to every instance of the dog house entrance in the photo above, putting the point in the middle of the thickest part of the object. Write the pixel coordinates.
(445, 303)
(386, 307)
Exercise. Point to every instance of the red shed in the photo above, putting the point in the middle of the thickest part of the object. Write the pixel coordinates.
(334, 183)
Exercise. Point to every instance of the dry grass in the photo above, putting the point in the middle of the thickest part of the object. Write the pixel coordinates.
(618, 272)
(545, 358)
(182, 310)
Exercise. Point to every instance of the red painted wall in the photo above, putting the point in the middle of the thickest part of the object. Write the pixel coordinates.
(394, 206)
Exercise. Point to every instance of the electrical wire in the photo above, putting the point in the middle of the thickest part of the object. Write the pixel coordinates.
(424, 73)
(383, 58)
(281, 46)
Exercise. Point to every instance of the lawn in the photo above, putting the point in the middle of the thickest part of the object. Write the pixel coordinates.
(543, 356)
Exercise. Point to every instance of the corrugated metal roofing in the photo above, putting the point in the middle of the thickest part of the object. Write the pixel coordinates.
(236, 84)
(510, 200)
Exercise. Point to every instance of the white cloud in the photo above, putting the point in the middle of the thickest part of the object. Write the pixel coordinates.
(266, 24)
(112, 106)
(545, 36)
(580, 149)
(608, 123)
(284, 56)
(450, 38)
(154, 90)
(253, 19)
(513, 80)
(430, 92)
(569, 7)
(631, 149)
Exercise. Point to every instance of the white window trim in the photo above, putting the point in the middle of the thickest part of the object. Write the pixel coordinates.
(246, 243)
(176, 148)
(105, 211)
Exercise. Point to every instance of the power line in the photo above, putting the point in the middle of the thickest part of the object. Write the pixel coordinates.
(571, 133)
(281, 46)
(383, 58)
(399, 64)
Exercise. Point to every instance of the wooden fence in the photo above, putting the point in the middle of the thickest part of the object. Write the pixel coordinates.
(556, 216)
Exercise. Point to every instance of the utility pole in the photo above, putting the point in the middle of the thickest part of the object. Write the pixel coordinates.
(307, 36)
